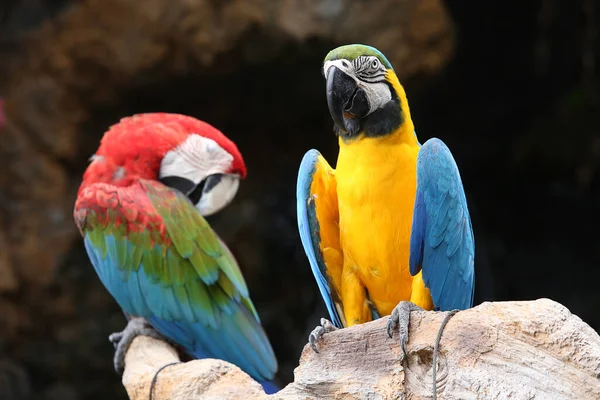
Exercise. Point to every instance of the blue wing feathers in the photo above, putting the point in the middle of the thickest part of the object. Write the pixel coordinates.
(308, 227)
(416, 239)
(136, 295)
(442, 243)
(236, 340)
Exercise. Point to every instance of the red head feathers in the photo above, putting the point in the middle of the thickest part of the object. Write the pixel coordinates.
(135, 147)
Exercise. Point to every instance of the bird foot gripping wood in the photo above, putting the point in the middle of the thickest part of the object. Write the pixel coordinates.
(122, 340)
(401, 317)
(317, 333)
(136, 326)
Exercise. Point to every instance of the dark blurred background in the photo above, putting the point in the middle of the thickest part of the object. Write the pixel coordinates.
(511, 87)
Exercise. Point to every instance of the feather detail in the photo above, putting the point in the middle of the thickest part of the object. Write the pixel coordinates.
(160, 260)
(442, 243)
(318, 220)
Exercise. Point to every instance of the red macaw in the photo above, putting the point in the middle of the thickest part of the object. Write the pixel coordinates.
(140, 210)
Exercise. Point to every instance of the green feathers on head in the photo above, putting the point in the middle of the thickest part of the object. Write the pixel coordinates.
(352, 51)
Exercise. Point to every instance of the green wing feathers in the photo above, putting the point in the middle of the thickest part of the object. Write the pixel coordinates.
(196, 242)
(161, 260)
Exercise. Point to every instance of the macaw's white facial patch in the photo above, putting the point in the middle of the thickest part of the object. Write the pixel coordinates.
(195, 159)
(342, 64)
(205, 164)
(378, 94)
(216, 197)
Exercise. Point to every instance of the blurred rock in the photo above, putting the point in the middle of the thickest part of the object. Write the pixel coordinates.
(15, 383)
(2, 116)
(8, 279)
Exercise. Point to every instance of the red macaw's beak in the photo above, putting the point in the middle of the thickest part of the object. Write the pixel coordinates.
(347, 102)
(210, 195)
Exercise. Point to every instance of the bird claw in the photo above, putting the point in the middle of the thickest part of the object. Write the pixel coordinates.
(115, 338)
(391, 324)
(122, 340)
(400, 318)
(325, 327)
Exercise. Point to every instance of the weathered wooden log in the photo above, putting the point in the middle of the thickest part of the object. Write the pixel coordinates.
(518, 350)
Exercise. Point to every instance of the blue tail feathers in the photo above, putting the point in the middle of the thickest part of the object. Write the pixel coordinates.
(269, 387)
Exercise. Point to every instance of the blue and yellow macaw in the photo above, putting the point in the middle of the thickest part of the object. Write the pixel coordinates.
(388, 231)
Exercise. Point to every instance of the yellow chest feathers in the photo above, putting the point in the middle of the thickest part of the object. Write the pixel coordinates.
(376, 186)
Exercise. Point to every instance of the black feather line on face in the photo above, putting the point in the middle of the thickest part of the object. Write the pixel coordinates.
(365, 72)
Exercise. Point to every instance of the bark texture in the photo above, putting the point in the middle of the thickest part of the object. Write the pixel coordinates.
(517, 350)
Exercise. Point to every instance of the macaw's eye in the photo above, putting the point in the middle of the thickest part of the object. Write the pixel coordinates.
(375, 64)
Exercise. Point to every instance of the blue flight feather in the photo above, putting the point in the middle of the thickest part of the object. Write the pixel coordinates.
(236, 340)
(308, 227)
(442, 242)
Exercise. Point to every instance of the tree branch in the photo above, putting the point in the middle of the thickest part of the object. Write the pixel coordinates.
(528, 349)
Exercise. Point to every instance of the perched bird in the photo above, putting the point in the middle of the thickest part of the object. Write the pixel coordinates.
(388, 230)
(140, 211)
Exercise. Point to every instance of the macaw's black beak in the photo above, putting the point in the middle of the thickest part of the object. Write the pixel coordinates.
(347, 102)
(184, 185)
(194, 191)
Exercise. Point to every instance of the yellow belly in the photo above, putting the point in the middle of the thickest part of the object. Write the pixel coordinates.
(376, 186)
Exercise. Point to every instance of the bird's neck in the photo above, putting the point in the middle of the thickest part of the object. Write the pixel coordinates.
(372, 153)
(391, 124)
(120, 173)
(405, 132)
